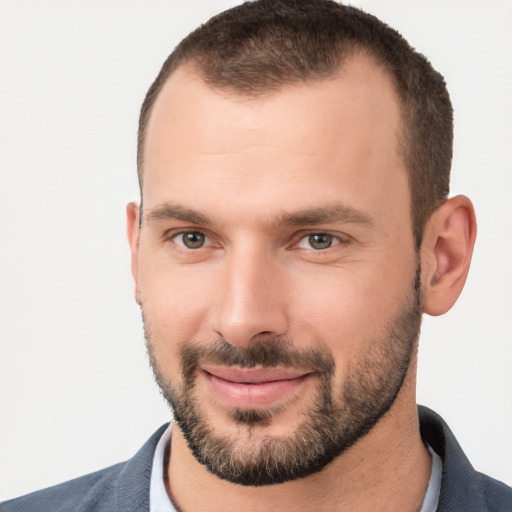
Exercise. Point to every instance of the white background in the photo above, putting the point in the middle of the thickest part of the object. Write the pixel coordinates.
(76, 393)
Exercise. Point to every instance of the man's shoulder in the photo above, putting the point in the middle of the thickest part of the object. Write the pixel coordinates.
(123, 486)
(80, 493)
(496, 494)
(462, 488)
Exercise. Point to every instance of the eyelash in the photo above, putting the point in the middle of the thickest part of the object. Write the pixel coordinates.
(336, 239)
(173, 236)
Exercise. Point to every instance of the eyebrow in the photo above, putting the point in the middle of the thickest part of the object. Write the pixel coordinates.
(338, 212)
(324, 215)
(168, 211)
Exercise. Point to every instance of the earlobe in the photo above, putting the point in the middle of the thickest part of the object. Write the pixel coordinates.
(446, 252)
(132, 225)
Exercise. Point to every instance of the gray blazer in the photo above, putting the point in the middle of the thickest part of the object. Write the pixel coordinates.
(125, 486)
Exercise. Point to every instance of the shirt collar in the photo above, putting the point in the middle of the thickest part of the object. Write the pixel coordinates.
(159, 500)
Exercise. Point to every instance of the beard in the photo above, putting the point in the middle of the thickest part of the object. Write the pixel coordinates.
(334, 421)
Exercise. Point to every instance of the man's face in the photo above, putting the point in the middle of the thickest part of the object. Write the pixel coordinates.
(276, 268)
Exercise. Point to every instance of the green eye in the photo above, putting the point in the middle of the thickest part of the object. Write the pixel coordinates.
(318, 241)
(191, 239)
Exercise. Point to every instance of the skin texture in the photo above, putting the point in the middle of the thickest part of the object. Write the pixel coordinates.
(256, 177)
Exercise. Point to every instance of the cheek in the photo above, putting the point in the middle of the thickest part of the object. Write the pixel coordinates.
(175, 300)
(348, 309)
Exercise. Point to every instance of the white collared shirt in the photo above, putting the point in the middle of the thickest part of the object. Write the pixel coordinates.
(159, 500)
(431, 498)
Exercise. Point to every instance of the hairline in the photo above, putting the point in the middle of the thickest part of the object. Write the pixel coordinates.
(403, 145)
(195, 67)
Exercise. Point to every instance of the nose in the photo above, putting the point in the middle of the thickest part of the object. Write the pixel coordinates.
(251, 299)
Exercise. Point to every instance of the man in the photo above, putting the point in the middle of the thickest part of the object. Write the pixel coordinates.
(294, 225)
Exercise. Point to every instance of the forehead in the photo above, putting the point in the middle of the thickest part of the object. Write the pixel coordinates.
(339, 132)
(361, 82)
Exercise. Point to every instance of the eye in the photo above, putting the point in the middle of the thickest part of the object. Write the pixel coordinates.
(190, 239)
(318, 241)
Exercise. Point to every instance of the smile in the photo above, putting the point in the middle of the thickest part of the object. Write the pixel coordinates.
(249, 388)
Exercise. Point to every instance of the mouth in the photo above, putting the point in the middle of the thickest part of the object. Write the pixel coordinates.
(250, 388)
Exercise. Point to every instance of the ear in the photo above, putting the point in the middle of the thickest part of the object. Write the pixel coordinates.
(132, 225)
(446, 251)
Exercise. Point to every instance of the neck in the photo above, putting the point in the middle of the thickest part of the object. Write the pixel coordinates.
(387, 470)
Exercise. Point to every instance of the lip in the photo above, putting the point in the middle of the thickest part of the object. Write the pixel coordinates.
(249, 388)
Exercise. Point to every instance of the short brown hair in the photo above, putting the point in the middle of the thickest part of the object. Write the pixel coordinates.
(262, 45)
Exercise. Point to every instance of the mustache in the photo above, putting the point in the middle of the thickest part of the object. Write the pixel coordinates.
(265, 352)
